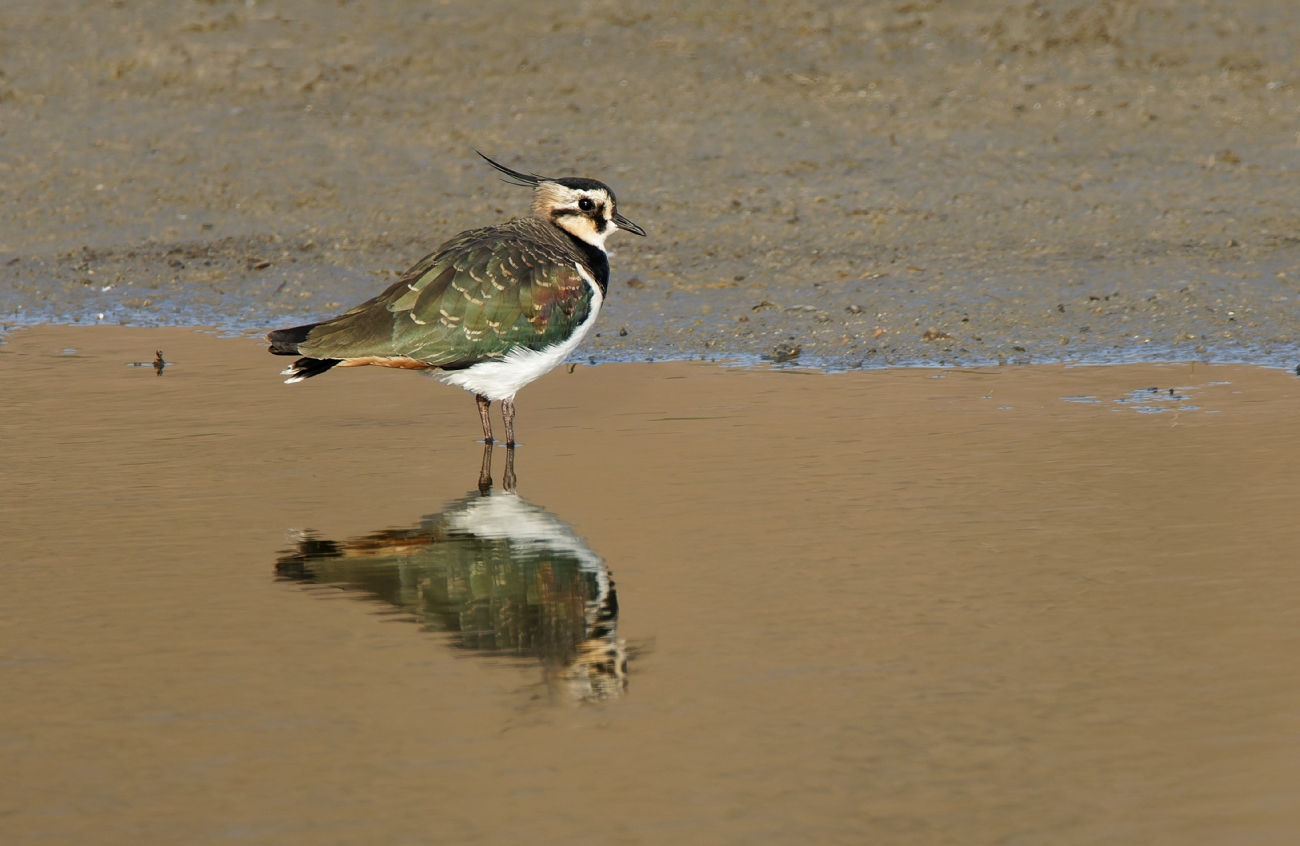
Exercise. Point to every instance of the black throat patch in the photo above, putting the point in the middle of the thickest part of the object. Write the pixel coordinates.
(595, 260)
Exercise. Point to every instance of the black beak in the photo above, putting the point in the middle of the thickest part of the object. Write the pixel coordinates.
(627, 225)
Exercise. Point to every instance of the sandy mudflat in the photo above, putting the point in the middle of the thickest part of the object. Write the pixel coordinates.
(1037, 604)
(880, 182)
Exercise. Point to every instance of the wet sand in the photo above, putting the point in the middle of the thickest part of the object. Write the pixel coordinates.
(877, 184)
(1008, 605)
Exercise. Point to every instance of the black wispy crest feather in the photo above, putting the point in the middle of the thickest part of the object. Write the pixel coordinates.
(527, 180)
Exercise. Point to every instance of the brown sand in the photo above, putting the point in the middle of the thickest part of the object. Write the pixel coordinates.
(1034, 181)
(900, 606)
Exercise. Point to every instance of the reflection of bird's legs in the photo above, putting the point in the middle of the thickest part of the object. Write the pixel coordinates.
(508, 479)
(483, 405)
(508, 414)
(485, 472)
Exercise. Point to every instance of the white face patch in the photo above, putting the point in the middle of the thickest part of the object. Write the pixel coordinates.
(562, 206)
(584, 229)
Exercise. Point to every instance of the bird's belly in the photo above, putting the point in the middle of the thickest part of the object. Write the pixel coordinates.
(501, 378)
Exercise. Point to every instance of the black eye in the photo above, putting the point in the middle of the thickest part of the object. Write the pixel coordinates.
(586, 204)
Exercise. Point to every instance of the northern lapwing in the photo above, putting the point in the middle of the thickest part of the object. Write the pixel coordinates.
(492, 309)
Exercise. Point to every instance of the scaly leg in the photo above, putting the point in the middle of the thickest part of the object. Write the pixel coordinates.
(483, 405)
(508, 414)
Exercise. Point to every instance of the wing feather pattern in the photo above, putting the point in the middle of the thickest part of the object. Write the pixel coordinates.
(484, 293)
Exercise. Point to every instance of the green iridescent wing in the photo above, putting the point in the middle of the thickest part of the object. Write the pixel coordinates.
(486, 292)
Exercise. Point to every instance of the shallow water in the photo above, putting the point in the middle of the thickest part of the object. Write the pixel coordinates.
(897, 606)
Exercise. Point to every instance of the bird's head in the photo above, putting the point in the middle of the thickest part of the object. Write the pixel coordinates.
(584, 208)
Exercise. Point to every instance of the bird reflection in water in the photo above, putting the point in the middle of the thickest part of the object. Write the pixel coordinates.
(499, 574)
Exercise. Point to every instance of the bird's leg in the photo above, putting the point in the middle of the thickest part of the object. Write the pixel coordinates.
(508, 414)
(483, 405)
(485, 472)
(508, 479)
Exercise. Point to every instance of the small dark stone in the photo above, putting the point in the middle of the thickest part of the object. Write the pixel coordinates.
(622, 332)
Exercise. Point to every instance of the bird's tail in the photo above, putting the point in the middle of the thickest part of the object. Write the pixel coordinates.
(286, 341)
(305, 368)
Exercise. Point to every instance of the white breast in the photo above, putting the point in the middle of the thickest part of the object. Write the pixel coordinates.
(502, 378)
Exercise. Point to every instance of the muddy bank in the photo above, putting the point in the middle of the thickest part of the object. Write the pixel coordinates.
(914, 183)
(915, 606)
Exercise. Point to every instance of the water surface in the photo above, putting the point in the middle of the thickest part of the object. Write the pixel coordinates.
(895, 606)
